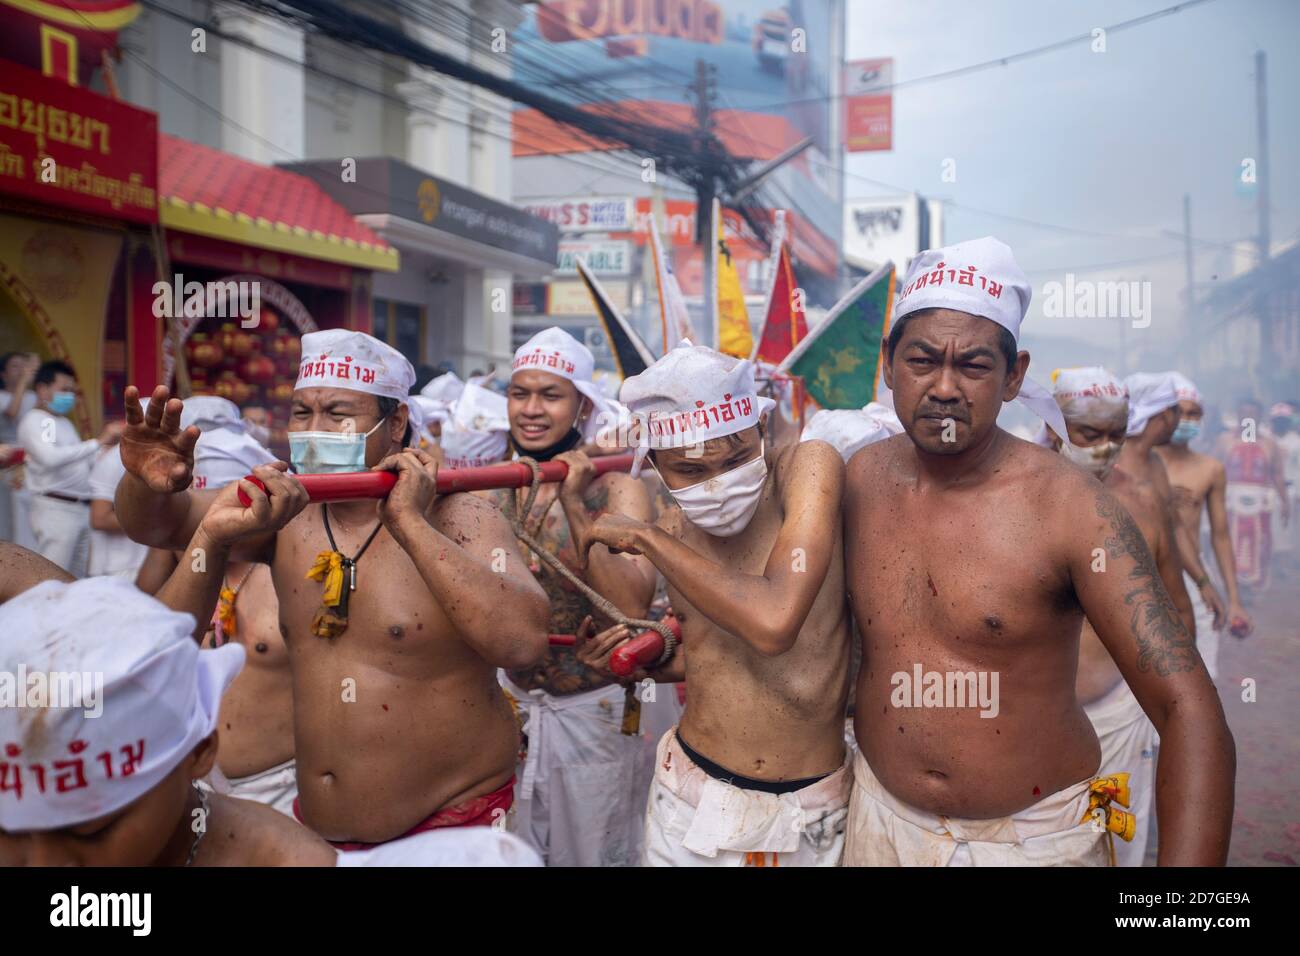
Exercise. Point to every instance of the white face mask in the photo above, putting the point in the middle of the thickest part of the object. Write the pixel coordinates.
(722, 506)
(1097, 459)
(325, 453)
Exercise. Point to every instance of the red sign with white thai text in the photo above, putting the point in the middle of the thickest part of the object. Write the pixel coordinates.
(70, 147)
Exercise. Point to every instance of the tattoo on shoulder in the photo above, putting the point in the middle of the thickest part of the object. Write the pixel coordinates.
(597, 499)
(1163, 643)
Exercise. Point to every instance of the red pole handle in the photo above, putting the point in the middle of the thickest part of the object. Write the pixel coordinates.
(351, 485)
(642, 650)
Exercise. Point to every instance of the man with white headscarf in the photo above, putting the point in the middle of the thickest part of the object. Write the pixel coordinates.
(972, 561)
(128, 742)
(755, 774)
(477, 429)
(583, 779)
(849, 430)
(256, 761)
(1095, 405)
(109, 776)
(396, 612)
(1199, 484)
(1153, 418)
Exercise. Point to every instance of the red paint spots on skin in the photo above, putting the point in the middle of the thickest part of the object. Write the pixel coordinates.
(1037, 792)
(385, 706)
(930, 581)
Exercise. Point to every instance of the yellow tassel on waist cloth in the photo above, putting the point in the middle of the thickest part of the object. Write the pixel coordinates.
(329, 569)
(1102, 792)
(226, 611)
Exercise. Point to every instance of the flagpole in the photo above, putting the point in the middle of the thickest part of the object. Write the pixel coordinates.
(711, 275)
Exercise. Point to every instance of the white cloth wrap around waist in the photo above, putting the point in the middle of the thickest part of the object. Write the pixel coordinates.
(1114, 709)
(731, 818)
(885, 831)
(597, 705)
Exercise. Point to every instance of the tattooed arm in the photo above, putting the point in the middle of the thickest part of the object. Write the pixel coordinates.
(626, 580)
(1131, 611)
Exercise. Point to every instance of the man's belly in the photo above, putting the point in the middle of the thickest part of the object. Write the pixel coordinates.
(947, 759)
(379, 753)
(256, 722)
(758, 731)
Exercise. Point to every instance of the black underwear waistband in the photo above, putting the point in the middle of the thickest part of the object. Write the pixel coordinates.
(719, 772)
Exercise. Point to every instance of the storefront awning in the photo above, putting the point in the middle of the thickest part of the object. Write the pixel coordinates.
(210, 193)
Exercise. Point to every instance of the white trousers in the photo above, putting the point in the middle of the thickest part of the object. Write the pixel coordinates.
(277, 786)
(62, 531)
(1128, 744)
(696, 820)
(885, 831)
(1207, 638)
(582, 788)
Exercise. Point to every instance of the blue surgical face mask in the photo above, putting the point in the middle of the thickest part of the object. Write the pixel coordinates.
(327, 453)
(62, 402)
(1185, 432)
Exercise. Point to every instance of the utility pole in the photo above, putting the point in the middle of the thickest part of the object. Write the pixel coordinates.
(705, 88)
(1190, 338)
(1261, 161)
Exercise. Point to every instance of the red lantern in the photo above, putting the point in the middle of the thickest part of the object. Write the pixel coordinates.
(241, 392)
(226, 338)
(242, 345)
(206, 354)
(281, 392)
(224, 386)
(259, 370)
(268, 321)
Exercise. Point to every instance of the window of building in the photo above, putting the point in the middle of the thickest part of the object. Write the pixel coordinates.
(401, 325)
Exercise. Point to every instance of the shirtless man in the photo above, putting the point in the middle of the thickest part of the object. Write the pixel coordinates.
(159, 698)
(256, 757)
(975, 555)
(145, 735)
(1152, 418)
(583, 778)
(1095, 406)
(398, 721)
(755, 774)
(1199, 483)
(1256, 488)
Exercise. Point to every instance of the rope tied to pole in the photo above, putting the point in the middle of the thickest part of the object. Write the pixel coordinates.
(555, 564)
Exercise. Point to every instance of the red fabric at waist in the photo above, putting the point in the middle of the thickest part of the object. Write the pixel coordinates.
(475, 812)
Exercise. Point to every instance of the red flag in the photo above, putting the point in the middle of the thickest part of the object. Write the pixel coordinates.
(786, 324)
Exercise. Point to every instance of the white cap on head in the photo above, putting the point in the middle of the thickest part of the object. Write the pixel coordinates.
(979, 277)
(1149, 394)
(445, 388)
(476, 433)
(555, 351)
(342, 358)
(152, 696)
(1185, 389)
(689, 396)
(225, 451)
(852, 429)
(1085, 391)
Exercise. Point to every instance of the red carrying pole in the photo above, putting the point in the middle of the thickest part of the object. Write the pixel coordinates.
(351, 485)
(642, 650)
